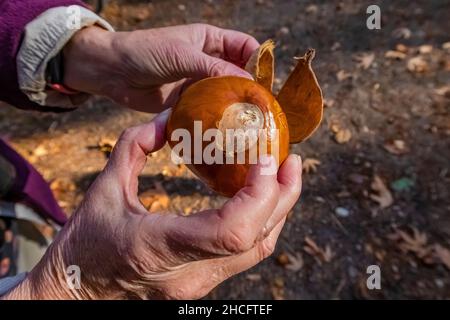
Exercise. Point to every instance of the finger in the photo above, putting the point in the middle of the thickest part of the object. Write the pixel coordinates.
(203, 66)
(153, 99)
(232, 229)
(130, 152)
(290, 182)
(230, 45)
(211, 272)
(261, 251)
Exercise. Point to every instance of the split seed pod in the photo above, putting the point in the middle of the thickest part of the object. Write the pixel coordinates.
(221, 125)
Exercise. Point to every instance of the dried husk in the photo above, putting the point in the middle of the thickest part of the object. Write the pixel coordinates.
(301, 99)
(261, 65)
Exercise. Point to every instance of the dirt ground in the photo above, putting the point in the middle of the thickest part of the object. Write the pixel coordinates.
(376, 180)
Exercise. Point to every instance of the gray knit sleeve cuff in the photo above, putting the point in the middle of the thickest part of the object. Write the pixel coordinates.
(44, 38)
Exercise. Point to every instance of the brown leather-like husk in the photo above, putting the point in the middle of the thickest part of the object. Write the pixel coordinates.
(301, 100)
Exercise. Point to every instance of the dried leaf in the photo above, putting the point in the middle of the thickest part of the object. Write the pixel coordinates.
(253, 277)
(425, 49)
(40, 151)
(321, 255)
(343, 136)
(402, 33)
(301, 100)
(310, 165)
(60, 186)
(290, 262)
(443, 254)
(401, 48)
(311, 9)
(106, 145)
(261, 65)
(397, 147)
(342, 75)
(156, 199)
(417, 65)
(382, 194)
(283, 259)
(446, 45)
(443, 91)
(295, 262)
(277, 289)
(365, 60)
(415, 242)
(391, 54)
(328, 103)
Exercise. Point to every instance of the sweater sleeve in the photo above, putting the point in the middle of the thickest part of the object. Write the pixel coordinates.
(14, 16)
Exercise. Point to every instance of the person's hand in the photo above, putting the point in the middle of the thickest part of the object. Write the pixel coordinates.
(148, 69)
(125, 252)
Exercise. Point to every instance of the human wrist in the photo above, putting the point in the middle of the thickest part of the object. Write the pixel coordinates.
(90, 61)
(45, 282)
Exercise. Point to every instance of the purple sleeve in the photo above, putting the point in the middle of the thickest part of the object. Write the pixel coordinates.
(14, 16)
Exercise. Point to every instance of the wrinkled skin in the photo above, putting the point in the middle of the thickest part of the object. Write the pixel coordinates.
(147, 69)
(122, 251)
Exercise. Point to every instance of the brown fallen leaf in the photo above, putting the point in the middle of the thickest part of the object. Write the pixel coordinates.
(328, 103)
(382, 194)
(277, 289)
(40, 151)
(156, 199)
(402, 33)
(321, 255)
(312, 9)
(397, 55)
(401, 48)
(106, 145)
(443, 254)
(295, 262)
(446, 46)
(253, 277)
(59, 186)
(415, 242)
(397, 147)
(443, 91)
(342, 75)
(283, 259)
(364, 60)
(417, 65)
(425, 49)
(310, 165)
(343, 136)
(290, 262)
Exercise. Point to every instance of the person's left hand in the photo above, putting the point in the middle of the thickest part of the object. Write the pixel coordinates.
(148, 69)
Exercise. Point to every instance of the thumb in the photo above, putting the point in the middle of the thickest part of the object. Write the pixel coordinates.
(129, 155)
(207, 66)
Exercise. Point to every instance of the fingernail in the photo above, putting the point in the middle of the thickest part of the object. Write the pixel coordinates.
(243, 74)
(268, 164)
(163, 116)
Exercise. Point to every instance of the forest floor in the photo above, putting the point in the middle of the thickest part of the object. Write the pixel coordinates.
(376, 188)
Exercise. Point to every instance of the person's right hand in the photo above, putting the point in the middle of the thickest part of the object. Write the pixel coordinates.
(125, 252)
